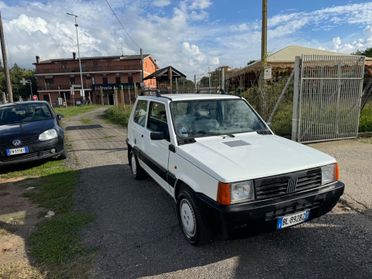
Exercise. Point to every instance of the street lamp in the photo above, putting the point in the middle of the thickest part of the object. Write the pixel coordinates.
(78, 47)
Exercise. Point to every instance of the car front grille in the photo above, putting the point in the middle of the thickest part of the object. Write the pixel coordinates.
(280, 185)
(26, 140)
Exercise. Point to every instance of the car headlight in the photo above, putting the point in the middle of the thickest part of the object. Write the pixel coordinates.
(230, 193)
(330, 173)
(48, 135)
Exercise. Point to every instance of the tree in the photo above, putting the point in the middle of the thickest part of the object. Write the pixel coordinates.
(16, 75)
(367, 52)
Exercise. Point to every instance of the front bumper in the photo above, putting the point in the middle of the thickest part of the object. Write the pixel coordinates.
(263, 215)
(37, 151)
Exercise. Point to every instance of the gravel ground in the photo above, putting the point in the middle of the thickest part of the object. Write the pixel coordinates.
(355, 159)
(137, 234)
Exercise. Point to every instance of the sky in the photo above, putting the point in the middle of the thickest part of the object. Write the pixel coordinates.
(191, 35)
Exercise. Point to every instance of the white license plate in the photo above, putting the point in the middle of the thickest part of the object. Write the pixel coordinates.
(293, 219)
(16, 151)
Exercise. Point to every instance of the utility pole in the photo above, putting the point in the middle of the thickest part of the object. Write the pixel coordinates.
(209, 80)
(195, 85)
(78, 48)
(141, 55)
(5, 62)
(263, 57)
(223, 78)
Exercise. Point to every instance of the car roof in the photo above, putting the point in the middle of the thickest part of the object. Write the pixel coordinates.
(190, 97)
(23, 102)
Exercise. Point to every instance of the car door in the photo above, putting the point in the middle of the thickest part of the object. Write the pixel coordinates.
(157, 151)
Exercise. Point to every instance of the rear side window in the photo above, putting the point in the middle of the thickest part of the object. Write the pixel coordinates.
(140, 113)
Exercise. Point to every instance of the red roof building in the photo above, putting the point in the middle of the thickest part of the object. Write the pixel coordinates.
(106, 79)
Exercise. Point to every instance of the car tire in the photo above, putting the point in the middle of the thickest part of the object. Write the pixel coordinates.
(62, 156)
(190, 219)
(136, 170)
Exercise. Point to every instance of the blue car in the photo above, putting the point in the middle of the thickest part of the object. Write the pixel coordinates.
(29, 131)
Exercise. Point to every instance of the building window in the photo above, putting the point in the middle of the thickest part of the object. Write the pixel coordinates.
(130, 78)
(104, 80)
(72, 80)
(117, 80)
(48, 83)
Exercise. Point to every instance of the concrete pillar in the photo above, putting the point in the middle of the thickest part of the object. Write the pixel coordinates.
(101, 94)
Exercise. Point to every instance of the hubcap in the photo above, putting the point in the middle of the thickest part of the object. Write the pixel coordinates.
(133, 164)
(187, 218)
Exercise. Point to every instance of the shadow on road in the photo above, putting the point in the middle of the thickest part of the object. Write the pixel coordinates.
(137, 232)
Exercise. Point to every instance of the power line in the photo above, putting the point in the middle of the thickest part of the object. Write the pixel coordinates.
(121, 24)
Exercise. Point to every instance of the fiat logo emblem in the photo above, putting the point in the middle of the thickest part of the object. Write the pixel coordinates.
(16, 142)
(292, 184)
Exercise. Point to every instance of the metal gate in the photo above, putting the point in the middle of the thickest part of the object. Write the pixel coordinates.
(327, 97)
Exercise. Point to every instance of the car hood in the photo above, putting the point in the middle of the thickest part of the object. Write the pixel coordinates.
(30, 128)
(250, 156)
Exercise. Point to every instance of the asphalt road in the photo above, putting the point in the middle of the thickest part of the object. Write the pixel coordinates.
(137, 235)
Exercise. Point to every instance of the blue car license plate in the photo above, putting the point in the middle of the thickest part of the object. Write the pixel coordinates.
(293, 219)
(16, 151)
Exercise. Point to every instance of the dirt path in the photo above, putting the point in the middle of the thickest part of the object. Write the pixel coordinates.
(137, 234)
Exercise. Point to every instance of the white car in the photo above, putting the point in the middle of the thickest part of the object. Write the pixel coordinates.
(225, 168)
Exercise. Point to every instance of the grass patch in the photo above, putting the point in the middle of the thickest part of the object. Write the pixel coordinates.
(86, 121)
(75, 110)
(34, 169)
(365, 123)
(55, 243)
(56, 240)
(118, 115)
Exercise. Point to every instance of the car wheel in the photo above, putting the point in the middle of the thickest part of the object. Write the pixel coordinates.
(137, 171)
(62, 156)
(190, 219)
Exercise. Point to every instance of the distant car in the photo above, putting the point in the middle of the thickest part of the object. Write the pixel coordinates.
(29, 131)
(225, 168)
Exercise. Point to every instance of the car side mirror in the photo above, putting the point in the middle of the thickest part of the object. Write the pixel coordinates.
(60, 116)
(157, 135)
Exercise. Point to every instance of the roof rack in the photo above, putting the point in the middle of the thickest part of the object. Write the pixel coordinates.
(151, 92)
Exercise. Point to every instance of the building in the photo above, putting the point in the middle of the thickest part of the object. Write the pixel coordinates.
(280, 62)
(165, 77)
(106, 79)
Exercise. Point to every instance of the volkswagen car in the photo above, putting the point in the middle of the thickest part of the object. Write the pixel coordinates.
(29, 131)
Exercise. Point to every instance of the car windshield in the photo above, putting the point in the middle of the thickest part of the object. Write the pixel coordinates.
(214, 117)
(23, 113)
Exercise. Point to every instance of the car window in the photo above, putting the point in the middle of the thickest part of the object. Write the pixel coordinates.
(140, 113)
(157, 121)
(24, 113)
(213, 117)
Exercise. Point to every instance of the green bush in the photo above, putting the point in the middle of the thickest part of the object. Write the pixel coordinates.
(118, 115)
(365, 124)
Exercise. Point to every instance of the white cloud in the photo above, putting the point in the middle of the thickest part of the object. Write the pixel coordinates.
(184, 37)
(200, 4)
(161, 3)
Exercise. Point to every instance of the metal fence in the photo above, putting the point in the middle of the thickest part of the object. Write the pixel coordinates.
(327, 97)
